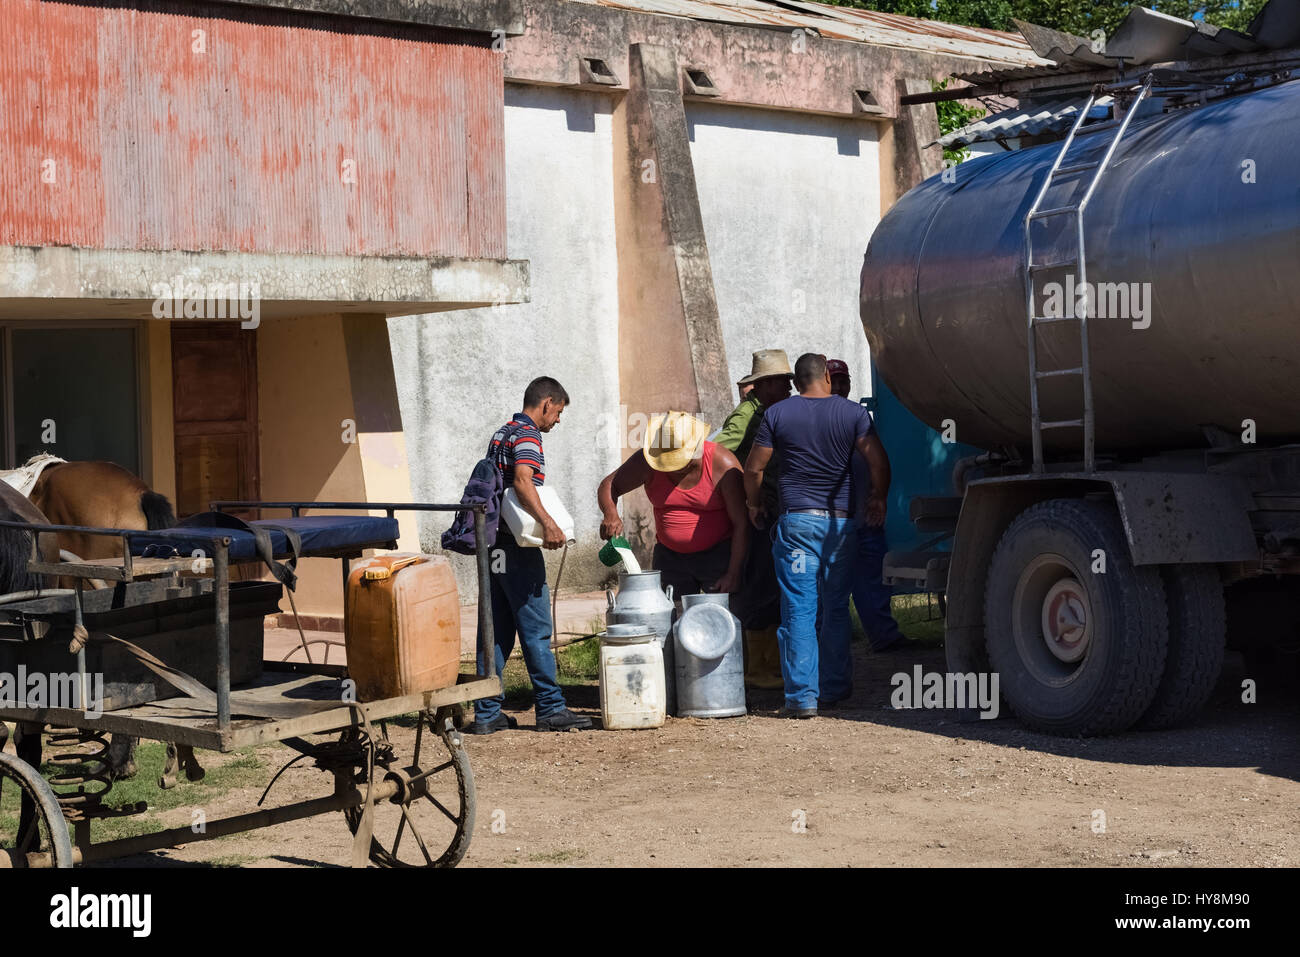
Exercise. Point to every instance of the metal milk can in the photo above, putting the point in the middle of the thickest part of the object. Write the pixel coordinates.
(640, 601)
(709, 656)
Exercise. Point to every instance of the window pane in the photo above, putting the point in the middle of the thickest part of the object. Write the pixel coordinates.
(84, 382)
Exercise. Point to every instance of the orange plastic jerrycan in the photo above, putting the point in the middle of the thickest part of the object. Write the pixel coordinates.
(402, 626)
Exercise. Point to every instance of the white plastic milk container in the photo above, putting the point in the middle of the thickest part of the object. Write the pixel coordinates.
(526, 529)
(632, 690)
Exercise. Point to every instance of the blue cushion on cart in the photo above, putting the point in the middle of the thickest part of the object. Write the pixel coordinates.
(321, 534)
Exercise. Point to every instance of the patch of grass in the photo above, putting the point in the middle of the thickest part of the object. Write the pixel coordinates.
(232, 860)
(246, 768)
(579, 662)
(917, 616)
(575, 664)
(919, 619)
(556, 857)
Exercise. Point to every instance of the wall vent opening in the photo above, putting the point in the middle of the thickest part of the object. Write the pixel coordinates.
(699, 83)
(596, 72)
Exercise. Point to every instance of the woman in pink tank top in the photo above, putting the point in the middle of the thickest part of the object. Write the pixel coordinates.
(697, 491)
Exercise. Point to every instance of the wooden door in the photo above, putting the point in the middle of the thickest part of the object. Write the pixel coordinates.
(214, 404)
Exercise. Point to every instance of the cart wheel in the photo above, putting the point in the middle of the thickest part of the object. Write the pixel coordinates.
(430, 821)
(39, 827)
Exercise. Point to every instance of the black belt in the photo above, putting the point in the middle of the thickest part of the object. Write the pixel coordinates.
(825, 512)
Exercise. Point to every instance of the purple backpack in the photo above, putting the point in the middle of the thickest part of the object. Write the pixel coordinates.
(486, 484)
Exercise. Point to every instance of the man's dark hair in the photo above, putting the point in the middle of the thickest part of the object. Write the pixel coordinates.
(543, 388)
(810, 368)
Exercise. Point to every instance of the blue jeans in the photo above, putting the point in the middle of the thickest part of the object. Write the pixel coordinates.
(521, 603)
(870, 594)
(814, 557)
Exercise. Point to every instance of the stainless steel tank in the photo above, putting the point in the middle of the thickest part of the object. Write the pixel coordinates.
(943, 299)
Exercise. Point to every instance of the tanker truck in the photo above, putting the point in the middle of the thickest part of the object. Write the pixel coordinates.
(1111, 312)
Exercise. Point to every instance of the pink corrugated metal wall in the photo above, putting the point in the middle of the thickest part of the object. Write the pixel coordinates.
(151, 145)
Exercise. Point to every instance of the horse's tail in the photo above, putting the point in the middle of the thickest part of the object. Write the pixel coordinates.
(15, 553)
(157, 510)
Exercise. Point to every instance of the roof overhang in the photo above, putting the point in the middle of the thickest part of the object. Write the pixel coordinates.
(63, 282)
(1146, 38)
(478, 16)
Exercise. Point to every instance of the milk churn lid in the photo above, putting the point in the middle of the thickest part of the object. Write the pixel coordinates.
(628, 633)
(706, 631)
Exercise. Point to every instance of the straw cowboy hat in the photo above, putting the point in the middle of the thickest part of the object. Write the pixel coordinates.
(673, 440)
(768, 362)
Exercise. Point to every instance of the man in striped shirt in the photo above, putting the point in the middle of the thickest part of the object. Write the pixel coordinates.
(521, 600)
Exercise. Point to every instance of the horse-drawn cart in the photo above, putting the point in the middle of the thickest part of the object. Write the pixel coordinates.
(401, 812)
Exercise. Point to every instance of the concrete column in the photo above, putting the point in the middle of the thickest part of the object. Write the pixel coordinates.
(671, 353)
(385, 470)
(670, 337)
(915, 127)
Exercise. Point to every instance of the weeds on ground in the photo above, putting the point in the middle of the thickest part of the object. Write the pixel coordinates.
(244, 769)
(917, 616)
(575, 664)
(556, 857)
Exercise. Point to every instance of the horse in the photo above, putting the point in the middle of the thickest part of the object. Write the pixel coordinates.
(18, 547)
(100, 495)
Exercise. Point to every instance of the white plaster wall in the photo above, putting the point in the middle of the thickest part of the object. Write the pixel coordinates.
(460, 375)
(789, 201)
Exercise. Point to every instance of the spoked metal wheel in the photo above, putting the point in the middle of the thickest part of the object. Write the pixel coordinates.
(32, 829)
(429, 821)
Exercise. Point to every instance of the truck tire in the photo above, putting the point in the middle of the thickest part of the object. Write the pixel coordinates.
(1076, 652)
(1197, 635)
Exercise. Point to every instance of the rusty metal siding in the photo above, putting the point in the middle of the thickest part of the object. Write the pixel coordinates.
(244, 147)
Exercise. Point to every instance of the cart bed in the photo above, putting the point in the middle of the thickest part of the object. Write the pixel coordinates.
(185, 721)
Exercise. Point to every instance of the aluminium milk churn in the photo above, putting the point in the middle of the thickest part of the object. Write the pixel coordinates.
(641, 601)
(709, 659)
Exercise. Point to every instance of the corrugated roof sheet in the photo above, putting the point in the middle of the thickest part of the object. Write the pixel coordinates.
(845, 23)
(1054, 116)
(1148, 36)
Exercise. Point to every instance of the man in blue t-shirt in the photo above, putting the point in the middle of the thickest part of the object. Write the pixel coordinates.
(818, 434)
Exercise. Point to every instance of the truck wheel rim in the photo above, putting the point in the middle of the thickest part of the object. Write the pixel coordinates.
(1051, 619)
(1066, 620)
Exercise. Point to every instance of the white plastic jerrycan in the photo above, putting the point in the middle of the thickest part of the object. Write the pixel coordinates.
(631, 678)
(526, 529)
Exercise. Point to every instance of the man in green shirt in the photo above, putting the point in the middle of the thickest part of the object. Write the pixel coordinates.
(757, 604)
(770, 378)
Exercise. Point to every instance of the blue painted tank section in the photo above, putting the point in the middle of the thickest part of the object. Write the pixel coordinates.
(921, 462)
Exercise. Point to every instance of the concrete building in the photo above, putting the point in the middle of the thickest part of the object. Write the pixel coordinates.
(690, 181)
(419, 205)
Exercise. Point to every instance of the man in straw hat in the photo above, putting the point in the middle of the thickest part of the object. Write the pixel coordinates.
(769, 383)
(699, 504)
(817, 434)
(758, 604)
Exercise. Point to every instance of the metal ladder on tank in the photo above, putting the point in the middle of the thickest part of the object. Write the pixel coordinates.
(1076, 210)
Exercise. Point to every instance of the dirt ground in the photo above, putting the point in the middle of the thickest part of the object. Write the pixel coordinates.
(865, 786)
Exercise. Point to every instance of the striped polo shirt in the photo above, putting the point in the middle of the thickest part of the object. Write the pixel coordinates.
(523, 447)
